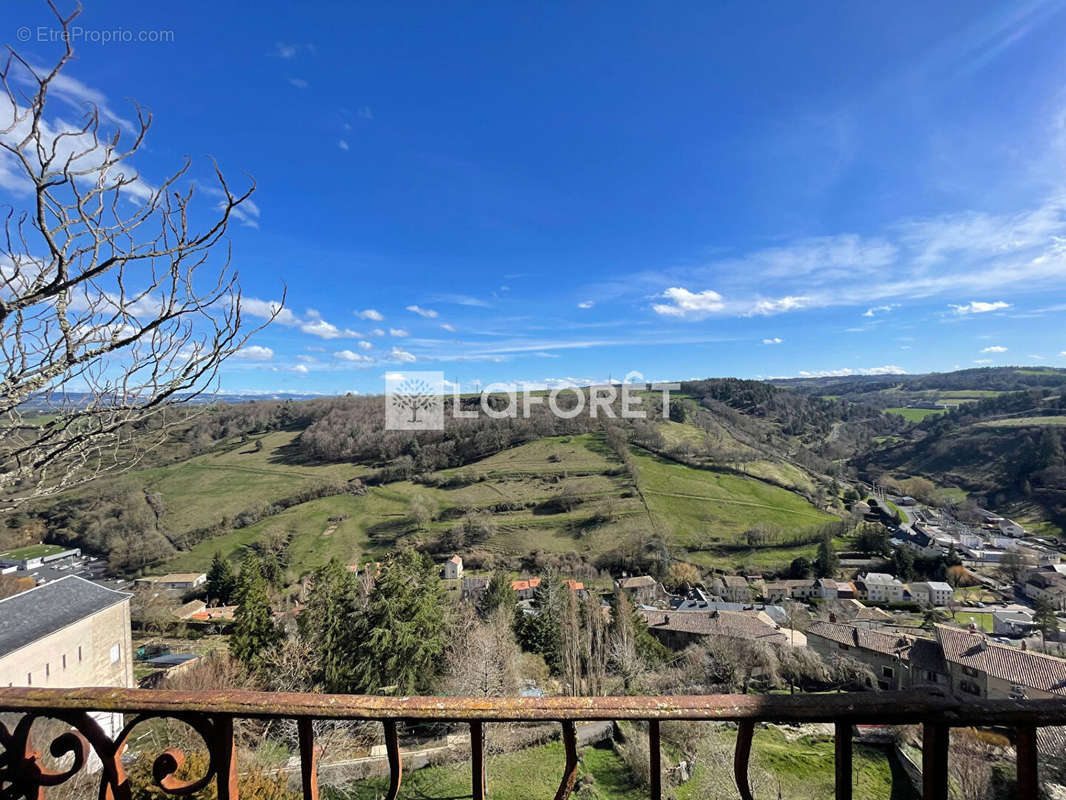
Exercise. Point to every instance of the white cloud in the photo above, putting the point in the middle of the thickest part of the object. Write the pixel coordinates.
(365, 112)
(979, 307)
(286, 51)
(365, 345)
(377, 332)
(299, 83)
(428, 313)
(351, 355)
(398, 332)
(301, 368)
(872, 312)
(995, 348)
(449, 328)
(586, 304)
(847, 371)
(342, 144)
(264, 309)
(775, 340)
(401, 355)
(255, 353)
(316, 326)
(371, 314)
(689, 304)
(779, 305)
(982, 361)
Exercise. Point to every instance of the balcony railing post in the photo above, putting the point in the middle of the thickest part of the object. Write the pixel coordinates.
(655, 755)
(1028, 784)
(935, 741)
(745, 734)
(843, 761)
(225, 758)
(477, 759)
(308, 760)
(392, 748)
(566, 785)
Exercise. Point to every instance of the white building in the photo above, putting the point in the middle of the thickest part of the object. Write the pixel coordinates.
(880, 587)
(932, 593)
(453, 568)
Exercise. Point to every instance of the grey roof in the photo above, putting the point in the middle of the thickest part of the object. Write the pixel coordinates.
(31, 615)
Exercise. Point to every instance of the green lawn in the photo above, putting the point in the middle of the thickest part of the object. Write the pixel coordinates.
(914, 414)
(1023, 422)
(802, 769)
(982, 618)
(703, 507)
(33, 551)
(534, 772)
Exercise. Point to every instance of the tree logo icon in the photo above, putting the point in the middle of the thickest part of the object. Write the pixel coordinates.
(414, 401)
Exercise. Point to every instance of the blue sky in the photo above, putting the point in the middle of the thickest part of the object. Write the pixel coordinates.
(540, 192)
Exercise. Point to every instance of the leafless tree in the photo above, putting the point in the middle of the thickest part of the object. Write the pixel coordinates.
(118, 302)
(483, 657)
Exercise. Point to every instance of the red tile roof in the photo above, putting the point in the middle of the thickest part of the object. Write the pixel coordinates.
(713, 623)
(1023, 667)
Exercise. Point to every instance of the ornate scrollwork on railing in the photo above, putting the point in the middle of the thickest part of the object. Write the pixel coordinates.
(23, 775)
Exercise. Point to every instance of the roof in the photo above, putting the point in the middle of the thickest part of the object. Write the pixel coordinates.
(715, 623)
(882, 578)
(864, 638)
(637, 582)
(33, 614)
(734, 581)
(1023, 667)
(925, 654)
(575, 586)
(522, 586)
(455, 560)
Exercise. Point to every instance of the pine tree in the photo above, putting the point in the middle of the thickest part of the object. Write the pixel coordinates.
(221, 580)
(1044, 617)
(253, 626)
(325, 622)
(498, 594)
(827, 563)
(397, 642)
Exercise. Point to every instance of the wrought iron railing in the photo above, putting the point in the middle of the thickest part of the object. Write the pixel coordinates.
(212, 716)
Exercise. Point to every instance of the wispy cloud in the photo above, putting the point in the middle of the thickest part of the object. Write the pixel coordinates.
(299, 83)
(978, 307)
(450, 328)
(586, 304)
(342, 144)
(428, 313)
(775, 340)
(688, 304)
(371, 314)
(875, 310)
(254, 353)
(995, 348)
(399, 333)
(847, 371)
(401, 355)
(264, 309)
(352, 356)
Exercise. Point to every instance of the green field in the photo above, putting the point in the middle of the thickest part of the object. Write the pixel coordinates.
(914, 414)
(534, 772)
(32, 551)
(982, 618)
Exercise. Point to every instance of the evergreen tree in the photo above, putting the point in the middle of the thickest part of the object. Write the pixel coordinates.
(253, 625)
(324, 624)
(498, 594)
(1044, 617)
(397, 642)
(903, 563)
(221, 580)
(541, 632)
(827, 563)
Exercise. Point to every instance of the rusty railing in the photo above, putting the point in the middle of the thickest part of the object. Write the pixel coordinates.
(212, 715)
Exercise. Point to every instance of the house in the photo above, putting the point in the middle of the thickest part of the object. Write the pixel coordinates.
(36, 555)
(732, 588)
(174, 582)
(1050, 586)
(879, 587)
(473, 588)
(796, 589)
(931, 593)
(1011, 528)
(898, 661)
(982, 668)
(68, 633)
(1012, 623)
(525, 588)
(678, 629)
(453, 568)
(826, 588)
(643, 589)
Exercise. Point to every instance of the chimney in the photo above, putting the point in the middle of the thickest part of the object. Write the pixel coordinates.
(832, 617)
(972, 626)
(1025, 645)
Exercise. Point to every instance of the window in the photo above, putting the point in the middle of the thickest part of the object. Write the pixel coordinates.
(886, 672)
(969, 671)
(64, 661)
(970, 687)
(842, 646)
(930, 676)
(79, 653)
(116, 653)
(47, 669)
(29, 679)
